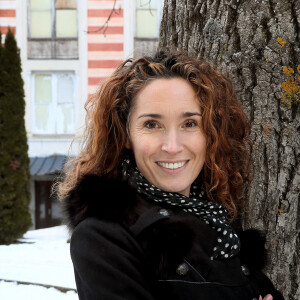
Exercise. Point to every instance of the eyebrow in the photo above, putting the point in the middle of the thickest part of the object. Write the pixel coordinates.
(158, 116)
(190, 114)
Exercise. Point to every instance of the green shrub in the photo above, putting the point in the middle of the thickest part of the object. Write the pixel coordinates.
(14, 162)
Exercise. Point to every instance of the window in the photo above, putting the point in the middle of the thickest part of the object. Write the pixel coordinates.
(147, 19)
(53, 19)
(148, 15)
(52, 29)
(54, 103)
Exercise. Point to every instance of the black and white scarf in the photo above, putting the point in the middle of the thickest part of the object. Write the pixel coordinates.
(198, 204)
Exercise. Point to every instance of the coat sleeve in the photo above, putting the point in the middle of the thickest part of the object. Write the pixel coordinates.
(107, 262)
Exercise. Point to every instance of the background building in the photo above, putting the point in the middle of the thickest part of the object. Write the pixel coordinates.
(67, 48)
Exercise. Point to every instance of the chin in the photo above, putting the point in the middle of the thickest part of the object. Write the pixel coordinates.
(175, 189)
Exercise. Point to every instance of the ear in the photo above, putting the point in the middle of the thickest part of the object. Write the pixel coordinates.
(128, 143)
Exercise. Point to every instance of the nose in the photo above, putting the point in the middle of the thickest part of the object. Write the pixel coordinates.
(172, 142)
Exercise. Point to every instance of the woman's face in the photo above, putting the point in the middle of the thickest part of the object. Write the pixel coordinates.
(166, 134)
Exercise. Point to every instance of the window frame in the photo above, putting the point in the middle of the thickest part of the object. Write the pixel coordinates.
(54, 103)
(53, 25)
(158, 10)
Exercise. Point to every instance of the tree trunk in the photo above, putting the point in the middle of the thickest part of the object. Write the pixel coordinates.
(257, 44)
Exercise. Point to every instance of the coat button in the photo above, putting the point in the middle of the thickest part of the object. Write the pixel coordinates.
(182, 269)
(245, 270)
(164, 212)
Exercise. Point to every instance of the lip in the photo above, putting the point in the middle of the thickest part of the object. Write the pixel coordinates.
(172, 161)
(173, 171)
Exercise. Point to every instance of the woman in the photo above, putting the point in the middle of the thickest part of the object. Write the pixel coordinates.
(152, 197)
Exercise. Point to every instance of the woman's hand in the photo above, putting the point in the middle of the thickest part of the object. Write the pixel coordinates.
(268, 297)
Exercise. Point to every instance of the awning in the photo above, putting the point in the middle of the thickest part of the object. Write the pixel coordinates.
(47, 165)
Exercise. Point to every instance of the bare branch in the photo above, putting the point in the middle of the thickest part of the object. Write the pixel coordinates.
(105, 25)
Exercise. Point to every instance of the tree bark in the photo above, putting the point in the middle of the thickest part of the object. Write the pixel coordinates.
(257, 44)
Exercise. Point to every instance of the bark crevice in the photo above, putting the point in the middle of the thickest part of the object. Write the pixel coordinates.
(296, 22)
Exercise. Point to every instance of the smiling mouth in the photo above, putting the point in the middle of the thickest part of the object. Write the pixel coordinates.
(172, 166)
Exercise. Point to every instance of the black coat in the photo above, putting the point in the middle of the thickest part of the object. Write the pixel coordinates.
(124, 247)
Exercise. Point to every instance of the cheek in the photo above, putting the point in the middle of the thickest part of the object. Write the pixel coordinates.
(143, 148)
(199, 148)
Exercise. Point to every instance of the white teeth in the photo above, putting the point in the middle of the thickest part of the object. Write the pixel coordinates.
(171, 165)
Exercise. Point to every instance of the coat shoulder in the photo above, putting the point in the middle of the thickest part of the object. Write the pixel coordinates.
(96, 232)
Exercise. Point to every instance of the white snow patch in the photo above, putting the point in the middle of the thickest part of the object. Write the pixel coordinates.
(14, 291)
(44, 258)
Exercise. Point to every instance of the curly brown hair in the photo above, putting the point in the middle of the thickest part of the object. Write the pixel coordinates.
(225, 124)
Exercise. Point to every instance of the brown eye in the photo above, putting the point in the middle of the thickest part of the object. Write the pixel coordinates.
(151, 125)
(190, 124)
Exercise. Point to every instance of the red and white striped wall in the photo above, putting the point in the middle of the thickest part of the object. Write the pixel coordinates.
(7, 16)
(105, 47)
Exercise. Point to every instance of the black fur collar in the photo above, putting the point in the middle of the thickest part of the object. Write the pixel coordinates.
(100, 197)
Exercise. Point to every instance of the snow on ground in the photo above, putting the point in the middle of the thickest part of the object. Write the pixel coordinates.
(42, 257)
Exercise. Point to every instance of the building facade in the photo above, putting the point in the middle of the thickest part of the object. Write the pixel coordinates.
(68, 47)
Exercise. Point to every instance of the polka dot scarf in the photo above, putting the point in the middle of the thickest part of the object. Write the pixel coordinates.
(213, 214)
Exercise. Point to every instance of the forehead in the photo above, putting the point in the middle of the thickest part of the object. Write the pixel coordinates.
(171, 94)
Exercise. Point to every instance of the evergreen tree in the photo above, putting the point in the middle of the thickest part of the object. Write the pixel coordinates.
(14, 162)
